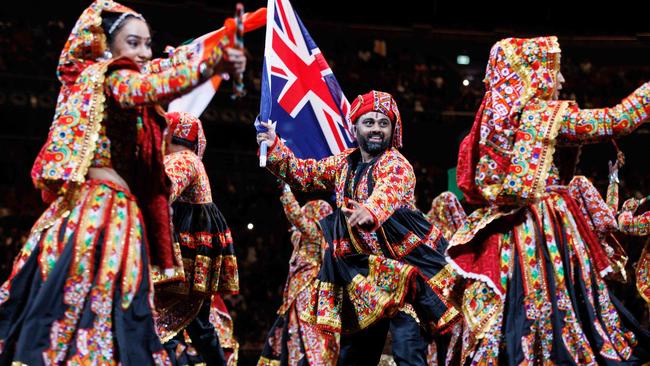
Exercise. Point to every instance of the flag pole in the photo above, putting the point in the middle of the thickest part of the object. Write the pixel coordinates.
(238, 90)
(264, 146)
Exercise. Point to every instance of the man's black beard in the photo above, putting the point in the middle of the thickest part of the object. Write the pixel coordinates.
(371, 147)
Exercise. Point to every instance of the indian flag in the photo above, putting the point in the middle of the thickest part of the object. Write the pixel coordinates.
(198, 99)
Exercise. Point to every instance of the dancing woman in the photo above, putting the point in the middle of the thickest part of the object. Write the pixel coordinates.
(535, 291)
(80, 289)
(294, 339)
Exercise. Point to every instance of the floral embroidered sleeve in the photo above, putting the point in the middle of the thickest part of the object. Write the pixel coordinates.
(590, 125)
(394, 183)
(597, 213)
(612, 195)
(181, 172)
(308, 228)
(305, 174)
(131, 88)
(177, 56)
(633, 225)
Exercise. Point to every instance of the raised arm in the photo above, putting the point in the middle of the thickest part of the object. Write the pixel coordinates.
(177, 56)
(183, 53)
(612, 191)
(303, 174)
(130, 88)
(591, 125)
(307, 227)
(612, 188)
(181, 171)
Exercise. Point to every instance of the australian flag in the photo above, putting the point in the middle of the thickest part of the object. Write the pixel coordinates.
(299, 91)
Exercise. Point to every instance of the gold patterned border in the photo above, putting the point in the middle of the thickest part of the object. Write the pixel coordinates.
(266, 362)
(159, 276)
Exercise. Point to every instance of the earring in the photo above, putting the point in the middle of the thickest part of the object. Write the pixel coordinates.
(107, 55)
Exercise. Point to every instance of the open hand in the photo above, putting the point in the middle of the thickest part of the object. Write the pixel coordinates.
(615, 166)
(358, 215)
(613, 171)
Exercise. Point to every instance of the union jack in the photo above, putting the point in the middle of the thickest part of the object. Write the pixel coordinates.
(300, 93)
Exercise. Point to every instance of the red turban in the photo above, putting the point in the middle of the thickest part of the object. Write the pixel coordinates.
(377, 101)
(186, 127)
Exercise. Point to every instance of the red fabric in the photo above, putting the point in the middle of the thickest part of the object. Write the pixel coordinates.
(509, 88)
(483, 256)
(366, 103)
(187, 127)
(48, 196)
(152, 187)
(69, 72)
(467, 160)
(599, 257)
(217, 302)
(316, 210)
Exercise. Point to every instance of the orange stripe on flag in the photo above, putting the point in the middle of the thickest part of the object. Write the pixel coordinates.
(216, 81)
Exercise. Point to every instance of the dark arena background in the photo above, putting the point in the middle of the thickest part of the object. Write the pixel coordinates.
(431, 55)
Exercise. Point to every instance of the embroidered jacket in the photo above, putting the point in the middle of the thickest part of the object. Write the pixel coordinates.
(190, 182)
(306, 257)
(394, 180)
(103, 99)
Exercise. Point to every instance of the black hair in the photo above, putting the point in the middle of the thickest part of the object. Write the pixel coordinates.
(109, 19)
(184, 142)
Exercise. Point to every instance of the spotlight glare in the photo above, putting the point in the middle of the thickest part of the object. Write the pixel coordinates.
(250, 226)
(462, 60)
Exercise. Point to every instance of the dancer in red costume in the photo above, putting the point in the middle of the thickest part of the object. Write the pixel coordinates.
(80, 289)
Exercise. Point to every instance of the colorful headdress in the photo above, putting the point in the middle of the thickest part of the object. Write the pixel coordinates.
(187, 130)
(64, 160)
(518, 70)
(377, 101)
(316, 210)
(87, 41)
(70, 145)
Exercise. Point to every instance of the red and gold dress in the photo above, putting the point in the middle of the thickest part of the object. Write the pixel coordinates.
(207, 252)
(80, 289)
(534, 267)
(295, 336)
(393, 269)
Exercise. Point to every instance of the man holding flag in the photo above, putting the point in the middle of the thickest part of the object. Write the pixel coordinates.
(382, 251)
(380, 248)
